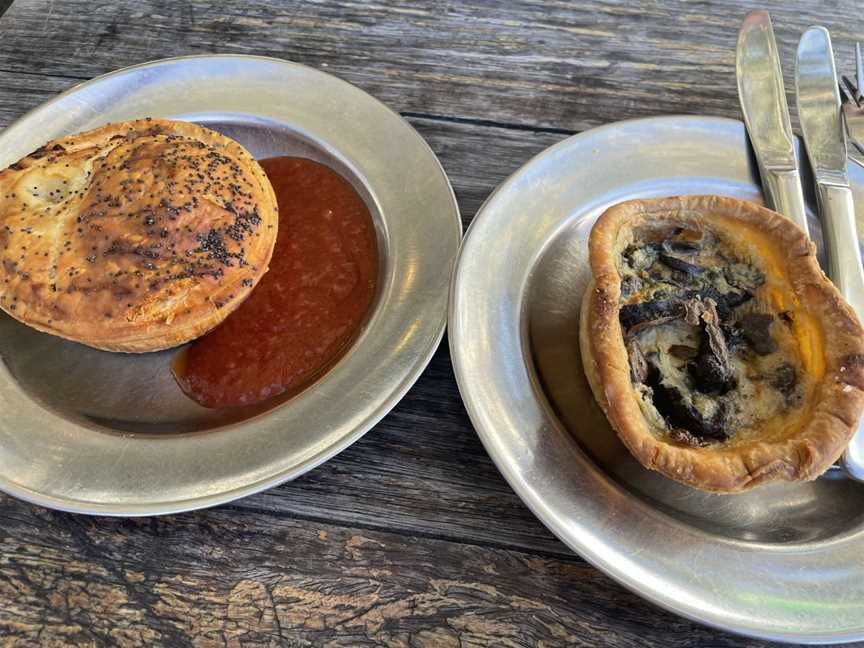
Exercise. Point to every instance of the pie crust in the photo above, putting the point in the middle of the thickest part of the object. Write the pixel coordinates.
(796, 444)
(135, 236)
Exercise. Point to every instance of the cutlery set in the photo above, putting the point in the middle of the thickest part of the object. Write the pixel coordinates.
(824, 120)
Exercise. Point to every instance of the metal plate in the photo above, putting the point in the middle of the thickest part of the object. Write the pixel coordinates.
(784, 562)
(97, 432)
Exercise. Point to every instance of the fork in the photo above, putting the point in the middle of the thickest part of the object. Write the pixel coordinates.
(853, 109)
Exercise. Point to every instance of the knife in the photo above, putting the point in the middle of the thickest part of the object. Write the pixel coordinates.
(825, 138)
(763, 102)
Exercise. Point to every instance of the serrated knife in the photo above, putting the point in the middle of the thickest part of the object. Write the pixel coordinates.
(763, 102)
(819, 111)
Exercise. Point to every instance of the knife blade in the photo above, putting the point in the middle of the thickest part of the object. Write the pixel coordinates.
(763, 102)
(819, 110)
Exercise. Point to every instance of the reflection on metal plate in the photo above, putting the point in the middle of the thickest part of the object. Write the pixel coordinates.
(783, 561)
(109, 433)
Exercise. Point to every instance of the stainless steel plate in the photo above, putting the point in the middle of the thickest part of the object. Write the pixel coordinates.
(783, 562)
(97, 432)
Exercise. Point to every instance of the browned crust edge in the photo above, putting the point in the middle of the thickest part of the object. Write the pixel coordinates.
(204, 317)
(837, 401)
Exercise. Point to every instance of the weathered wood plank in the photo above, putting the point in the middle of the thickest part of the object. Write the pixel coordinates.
(366, 549)
(230, 578)
(537, 63)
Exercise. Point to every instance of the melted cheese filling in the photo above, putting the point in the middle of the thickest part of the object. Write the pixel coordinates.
(718, 344)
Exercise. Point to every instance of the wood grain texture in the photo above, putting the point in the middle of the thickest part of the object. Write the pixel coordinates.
(231, 578)
(537, 63)
(410, 537)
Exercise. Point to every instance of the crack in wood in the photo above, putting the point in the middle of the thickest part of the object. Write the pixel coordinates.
(489, 123)
(244, 578)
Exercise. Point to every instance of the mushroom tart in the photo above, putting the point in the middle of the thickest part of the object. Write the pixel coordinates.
(720, 352)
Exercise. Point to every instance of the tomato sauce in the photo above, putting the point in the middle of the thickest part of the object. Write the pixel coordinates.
(306, 309)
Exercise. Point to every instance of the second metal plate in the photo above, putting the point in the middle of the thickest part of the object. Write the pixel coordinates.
(782, 562)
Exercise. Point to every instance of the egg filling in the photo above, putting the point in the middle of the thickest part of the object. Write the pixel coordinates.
(709, 355)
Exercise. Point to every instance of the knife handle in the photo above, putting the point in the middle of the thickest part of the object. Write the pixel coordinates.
(784, 194)
(841, 243)
(844, 267)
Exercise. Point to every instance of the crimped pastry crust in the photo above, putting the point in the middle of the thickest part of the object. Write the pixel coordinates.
(136, 236)
(806, 444)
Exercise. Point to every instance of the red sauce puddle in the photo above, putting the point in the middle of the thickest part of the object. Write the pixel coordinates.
(306, 309)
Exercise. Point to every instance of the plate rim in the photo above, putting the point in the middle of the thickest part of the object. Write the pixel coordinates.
(510, 472)
(408, 379)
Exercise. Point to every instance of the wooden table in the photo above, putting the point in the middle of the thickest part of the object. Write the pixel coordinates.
(410, 537)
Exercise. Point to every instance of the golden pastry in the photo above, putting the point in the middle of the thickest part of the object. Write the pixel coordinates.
(136, 236)
(721, 354)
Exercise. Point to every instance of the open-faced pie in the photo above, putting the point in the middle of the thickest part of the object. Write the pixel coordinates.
(135, 236)
(721, 354)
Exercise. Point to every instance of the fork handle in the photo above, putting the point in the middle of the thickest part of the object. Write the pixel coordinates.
(845, 269)
(785, 195)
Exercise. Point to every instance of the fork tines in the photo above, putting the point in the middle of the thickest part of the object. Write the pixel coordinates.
(853, 91)
(859, 70)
